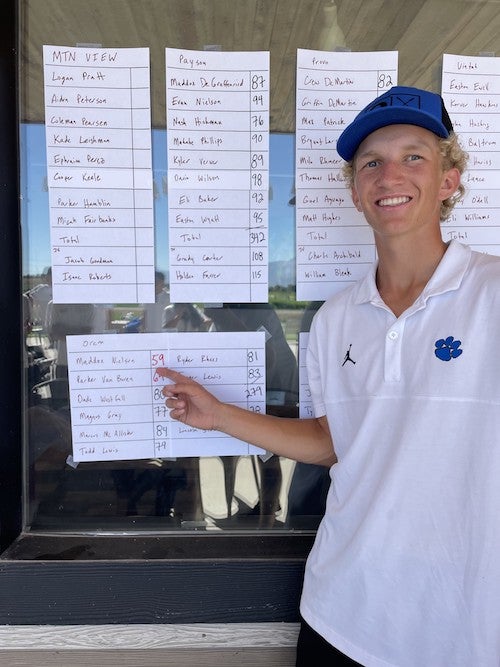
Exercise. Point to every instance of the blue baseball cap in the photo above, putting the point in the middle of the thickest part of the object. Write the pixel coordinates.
(399, 105)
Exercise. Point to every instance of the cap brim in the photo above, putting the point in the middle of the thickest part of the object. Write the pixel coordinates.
(360, 128)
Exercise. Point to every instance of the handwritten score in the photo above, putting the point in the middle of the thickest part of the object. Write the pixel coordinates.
(118, 410)
(218, 175)
(334, 243)
(98, 138)
(471, 91)
(305, 402)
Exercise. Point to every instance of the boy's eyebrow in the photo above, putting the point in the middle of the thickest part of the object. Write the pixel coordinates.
(412, 146)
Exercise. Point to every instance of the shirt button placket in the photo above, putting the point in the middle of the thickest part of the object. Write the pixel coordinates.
(392, 362)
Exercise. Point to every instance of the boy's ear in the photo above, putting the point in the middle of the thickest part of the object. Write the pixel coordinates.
(450, 183)
(355, 199)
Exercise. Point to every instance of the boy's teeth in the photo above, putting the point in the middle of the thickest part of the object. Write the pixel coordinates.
(393, 201)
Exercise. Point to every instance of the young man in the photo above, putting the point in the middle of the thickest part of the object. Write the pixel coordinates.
(404, 569)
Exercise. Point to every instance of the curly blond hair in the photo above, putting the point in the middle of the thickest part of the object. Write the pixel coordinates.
(454, 156)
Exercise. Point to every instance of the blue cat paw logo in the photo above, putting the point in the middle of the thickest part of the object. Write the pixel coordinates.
(447, 348)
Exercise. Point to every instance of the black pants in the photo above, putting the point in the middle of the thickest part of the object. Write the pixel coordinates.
(312, 647)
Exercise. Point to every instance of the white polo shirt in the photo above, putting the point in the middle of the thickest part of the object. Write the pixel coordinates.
(405, 569)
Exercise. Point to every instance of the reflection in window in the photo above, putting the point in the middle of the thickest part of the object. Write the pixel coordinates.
(189, 493)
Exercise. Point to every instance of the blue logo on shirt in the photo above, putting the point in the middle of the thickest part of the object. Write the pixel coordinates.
(447, 348)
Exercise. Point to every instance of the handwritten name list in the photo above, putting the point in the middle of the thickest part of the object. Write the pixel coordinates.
(334, 243)
(118, 411)
(98, 138)
(218, 175)
(471, 91)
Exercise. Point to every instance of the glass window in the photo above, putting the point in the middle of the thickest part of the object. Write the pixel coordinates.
(210, 493)
(214, 493)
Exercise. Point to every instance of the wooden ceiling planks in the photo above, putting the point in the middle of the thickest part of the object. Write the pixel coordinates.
(301, 31)
(421, 30)
(425, 41)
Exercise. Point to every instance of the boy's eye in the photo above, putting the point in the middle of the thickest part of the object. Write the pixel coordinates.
(371, 163)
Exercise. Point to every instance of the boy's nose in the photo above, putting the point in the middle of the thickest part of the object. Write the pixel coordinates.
(389, 171)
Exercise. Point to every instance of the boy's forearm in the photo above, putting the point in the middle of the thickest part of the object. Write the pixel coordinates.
(305, 440)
